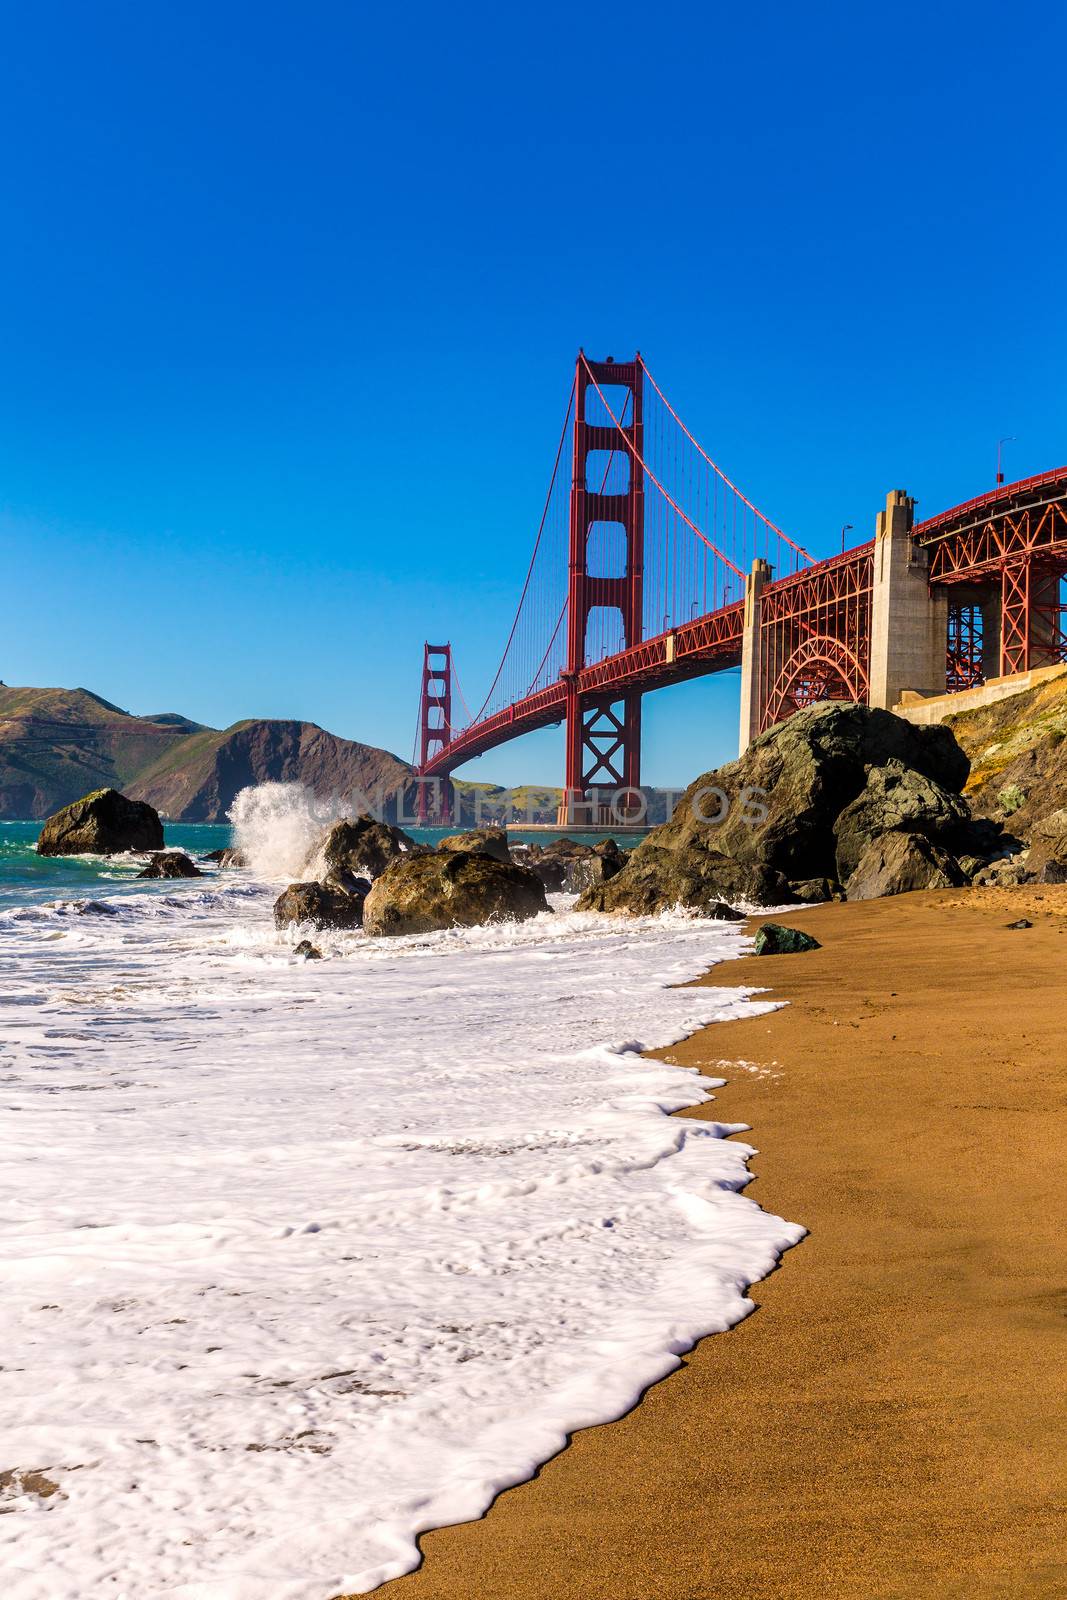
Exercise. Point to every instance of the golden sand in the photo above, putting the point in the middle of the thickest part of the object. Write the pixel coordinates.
(892, 1421)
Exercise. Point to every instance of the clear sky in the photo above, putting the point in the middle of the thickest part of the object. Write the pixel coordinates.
(290, 296)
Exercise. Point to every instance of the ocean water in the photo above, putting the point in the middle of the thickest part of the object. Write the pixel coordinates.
(300, 1258)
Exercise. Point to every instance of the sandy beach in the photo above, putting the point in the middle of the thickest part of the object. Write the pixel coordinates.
(891, 1420)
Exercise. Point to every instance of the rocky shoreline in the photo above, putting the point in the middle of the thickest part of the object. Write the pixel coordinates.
(840, 802)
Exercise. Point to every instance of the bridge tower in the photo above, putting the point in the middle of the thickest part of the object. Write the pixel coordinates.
(604, 734)
(435, 731)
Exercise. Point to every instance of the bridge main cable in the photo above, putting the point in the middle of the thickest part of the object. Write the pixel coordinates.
(652, 476)
(717, 469)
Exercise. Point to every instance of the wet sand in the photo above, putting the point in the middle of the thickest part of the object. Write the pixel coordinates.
(892, 1420)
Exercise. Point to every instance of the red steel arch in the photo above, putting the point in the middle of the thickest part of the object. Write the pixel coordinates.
(821, 668)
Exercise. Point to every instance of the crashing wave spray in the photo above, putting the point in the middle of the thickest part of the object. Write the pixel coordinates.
(276, 826)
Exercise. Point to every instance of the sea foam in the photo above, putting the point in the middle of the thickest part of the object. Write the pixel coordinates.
(276, 826)
(301, 1259)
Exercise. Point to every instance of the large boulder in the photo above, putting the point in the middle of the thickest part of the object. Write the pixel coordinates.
(102, 823)
(490, 841)
(899, 862)
(765, 822)
(898, 799)
(170, 864)
(461, 889)
(331, 904)
(363, 846)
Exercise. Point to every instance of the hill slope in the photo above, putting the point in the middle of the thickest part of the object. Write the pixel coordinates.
(196, 779)
(58, 744)
(1018, 751)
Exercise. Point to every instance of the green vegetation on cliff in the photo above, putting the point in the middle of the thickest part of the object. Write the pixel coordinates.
(1018, 753)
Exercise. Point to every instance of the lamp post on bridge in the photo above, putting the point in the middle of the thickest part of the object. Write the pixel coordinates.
(846, 529)
(1009, 438)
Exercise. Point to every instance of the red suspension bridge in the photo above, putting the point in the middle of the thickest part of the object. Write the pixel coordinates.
(650, 566)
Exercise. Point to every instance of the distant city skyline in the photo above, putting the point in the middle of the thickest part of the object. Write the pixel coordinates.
(290, 306)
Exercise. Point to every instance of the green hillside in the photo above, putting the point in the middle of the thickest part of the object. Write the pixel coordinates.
(58, 744)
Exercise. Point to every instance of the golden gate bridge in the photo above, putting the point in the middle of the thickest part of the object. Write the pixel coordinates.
(650, 566)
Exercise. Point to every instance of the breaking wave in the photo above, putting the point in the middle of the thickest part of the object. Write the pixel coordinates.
(276, 826)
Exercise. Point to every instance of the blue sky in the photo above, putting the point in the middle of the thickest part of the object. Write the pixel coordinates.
(290, 297)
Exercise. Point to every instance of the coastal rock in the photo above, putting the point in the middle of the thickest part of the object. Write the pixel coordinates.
(899, 862)
(101, 823)
(571, 866)
(347, 882)
(490, 841)
(462, 889)
(551, 870)
(719, 911)
(1007, 872)
(1047, 861)
(774, 939)
(228, 857)
(814, 891)
(606, 862)
(309, 951)
(320, 905)
(170, 864)
(658, 879)
(766, 820)
(364, 847)
(896, 799)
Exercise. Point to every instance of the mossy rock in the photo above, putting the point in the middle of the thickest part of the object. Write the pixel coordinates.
(102, 823)
(774, 939)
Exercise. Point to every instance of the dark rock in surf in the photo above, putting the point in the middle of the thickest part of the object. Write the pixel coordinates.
(101, 823)
(171, 864)
(319, 905)
(572, 866)
(309, 951)
(461, 889)
(364, 847)
(551, 870)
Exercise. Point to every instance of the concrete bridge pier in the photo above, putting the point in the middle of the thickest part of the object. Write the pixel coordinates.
(909, 620)
(751, 695)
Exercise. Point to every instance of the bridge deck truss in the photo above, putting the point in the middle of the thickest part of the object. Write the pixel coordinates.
(814, 636)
